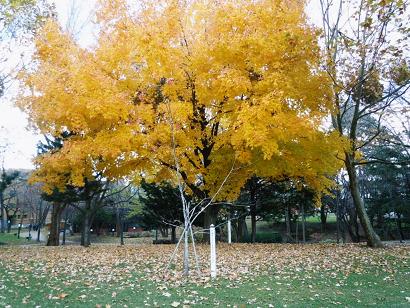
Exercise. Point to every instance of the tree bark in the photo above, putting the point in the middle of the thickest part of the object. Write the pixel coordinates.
(2, 214)
(400, 227)
(303, 223)
(323, 218)
(65, 227)
(121, 230)
(242, 229)
(54, 236)
(86, 229)
(118, 222)
(173, 234)
(253, 220)
(289, 238)
(373, 240)
(210, 217)
(337, 219)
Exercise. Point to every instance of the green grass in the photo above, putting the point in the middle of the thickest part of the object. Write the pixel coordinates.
(11, 239)
(367, 284)
(302, 290)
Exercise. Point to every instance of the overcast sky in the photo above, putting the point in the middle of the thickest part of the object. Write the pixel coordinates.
(76, 16)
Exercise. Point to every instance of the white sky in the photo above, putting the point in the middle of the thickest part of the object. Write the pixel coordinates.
(74, 15)
(21, 142)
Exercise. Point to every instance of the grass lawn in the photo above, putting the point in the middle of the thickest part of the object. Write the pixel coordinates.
(11, 239)
(249, 275)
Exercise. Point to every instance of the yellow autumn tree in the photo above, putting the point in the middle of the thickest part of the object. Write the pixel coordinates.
(229, 87)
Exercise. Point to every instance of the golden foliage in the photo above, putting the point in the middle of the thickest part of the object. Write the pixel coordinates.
(240, 81)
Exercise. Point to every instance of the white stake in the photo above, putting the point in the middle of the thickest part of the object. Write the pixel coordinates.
(213, 251)
(229, 232)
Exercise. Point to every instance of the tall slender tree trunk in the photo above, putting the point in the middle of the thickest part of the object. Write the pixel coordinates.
(399, 226)
(288, 226)
(54, 236)
(65, 227)
(118, 222)
(2, 214)
(337, 220)
(253, 222)
(297, 230)
(186, 249)
(303, 224)
(121, 229)
(373, 240)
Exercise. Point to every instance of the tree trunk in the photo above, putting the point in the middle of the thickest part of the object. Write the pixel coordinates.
(289, 238)
(242, 229)
(210, 217)
(373, 240)
(337, 220)
(118, 222)
(297, 230)
(323, 218)
(38, 232)
(253, 221)
(253, 209)
(173, 234)
(65, 227)
(398, 220)
(54, 236)
(20, 224)
(121, 230)
(2, 214)
(303, 224)
(186, 249)
(86, 229)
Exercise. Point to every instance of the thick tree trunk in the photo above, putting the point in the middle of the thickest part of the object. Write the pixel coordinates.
(210, 217)
(86, 229)
(38, 232)
(372, 238)
(54, 236)
(242, 229)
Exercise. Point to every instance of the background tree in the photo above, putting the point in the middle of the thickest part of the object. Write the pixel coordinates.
(5, 181)
(160, 207)
(370, 75)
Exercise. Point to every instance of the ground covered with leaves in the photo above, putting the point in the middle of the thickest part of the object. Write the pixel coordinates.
(265, 275)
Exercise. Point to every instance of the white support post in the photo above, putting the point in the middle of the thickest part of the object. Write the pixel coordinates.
(229, 232)
(213, 250)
